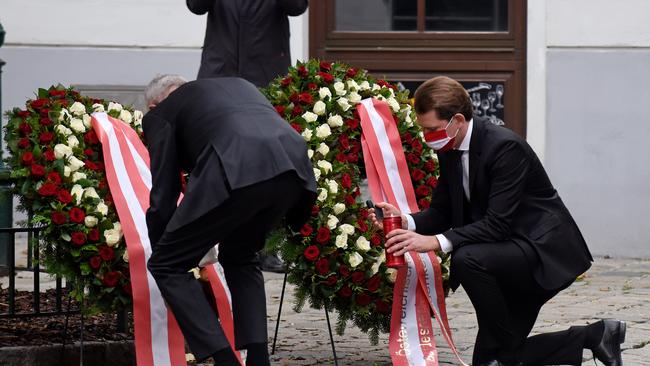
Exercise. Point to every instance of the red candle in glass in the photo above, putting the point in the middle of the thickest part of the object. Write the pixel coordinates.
(391, 223)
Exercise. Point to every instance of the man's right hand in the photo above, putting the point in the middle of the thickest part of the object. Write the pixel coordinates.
(389, 210)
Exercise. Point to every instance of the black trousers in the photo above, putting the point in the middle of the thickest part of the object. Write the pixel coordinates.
(240, 225)
(499, 282)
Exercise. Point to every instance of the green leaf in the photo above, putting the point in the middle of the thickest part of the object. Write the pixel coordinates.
(85, 268)
(43, 93)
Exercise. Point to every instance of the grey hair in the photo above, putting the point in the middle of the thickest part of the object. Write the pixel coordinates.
(158, 88)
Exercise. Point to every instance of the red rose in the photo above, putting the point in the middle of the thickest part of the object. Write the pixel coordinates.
(95, 262)
(357, 192)
(346, 181)
(294, 98)
(23, 114)
(54, 177)
(325, 66)
(417, 174)
(49, 155)
(331, 280)
(38, 170)
(363, 213)
(382, 306)
(93, 235)
(103, 184)
(39, 103)
(306, 230)
(24, 143)
(312, 86)
(107, 253)
(344, 270)
(45, 122)
(99, 166)
(27, 158)
(311, 253)
(375, 240)
(127, 289)
(77, 215)
(302, 71)
(323, 266)
(90, 165)
(328, 78)
(349, 200)
(417, 146)
(424, 203)
(296, 110)
(345, 291)
(91, 138)
(286, 81)
(430, 166)
(280, 109)
(353, 158)
(363, 299)
(352, 72)
(44, 112)
(64, 196)
(296, 127)
(344, 142)
(373, 283)
(432, 182)
(422, 191)
(59, 218)
(323, 235)
(352, 123)
(406, 137)
(413, 158)
(89, 152)
(57, 93)
(358, 277)
(306, 98)
(110, 278)
(78, 238)
(363, 227)
(356, 146)
(46, 137)
(47, 189)
(341, 158)
(315, 210)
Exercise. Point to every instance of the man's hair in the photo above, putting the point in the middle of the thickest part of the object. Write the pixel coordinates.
(444, 95)
(158, 87)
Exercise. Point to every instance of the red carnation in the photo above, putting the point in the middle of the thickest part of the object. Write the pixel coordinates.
(432, 182)
(345, 291)
(110, 278)
(107, 253)
(328, 78)
(38, 170)
(430, 166)
(54, 177)
(302, 71)
(296, 127)
(49, 155)
(323, 266)
(78, 238)
(346, 181)
(25, 129)
(24, 143)
(417, 174)
(363, 299)
(93, 235)
(375, 240)
(325, 66)
(352, 123)
(91, 138)
(77, 215)
(27, 158)
(306, 98)
(344, 270)
(306, 230)
(64, 196)
(296, 110)
(424, 203)
(312, 86)
(95, 262)
(59, 218)
(280, 109)
(47, 189)
(422, 191)
(352, 72)
(46, 137)
(286, 81)
(331, 280)
(358, 276)
(373, 283)
(314, 210)
(323, 235)
(382, 306)
(45, 122)
(311, 253)
(413, 158)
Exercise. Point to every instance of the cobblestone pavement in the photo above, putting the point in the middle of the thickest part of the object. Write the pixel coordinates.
(616, 288)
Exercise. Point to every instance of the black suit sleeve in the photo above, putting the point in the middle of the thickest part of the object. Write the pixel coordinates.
(436, 218)
(165, 174)
(292, 7)
(509, 171)
(199, 7)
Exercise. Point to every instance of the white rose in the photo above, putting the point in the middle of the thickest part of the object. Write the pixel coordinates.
(306, 134)
(73, 141)
(364, 85)
(324, 165)
(394, 104)
(77, 125)
(309, 116)
(324, 93)
(343, 103)
(380, 97)
(332, 221)
(62, 130)
(66, 171)
(363, 244)
(352, 85)
(112, 237)
(317, 173)
(78, 176)
(322, 196)
(64, 114)
(75, 163)
(90, 221)
(332, 186)
(125, 256)
(339, 88)
(355, 259)
(77, 109)
(86, 118)
(391, 92)
(114, 107)
(346, 229)
(319, 108)
(98, 107)
(341, 241)
(61, 150)
(90, 192)
(376, 87)
(354, 98)
(126, 116)
(323, 131)
(102, 208)
(137, 117)
(408, 120)
(339, 208)
(381, 259)
(310, 153)
(335, 121)
(323, 149)
(77, 192)
(375, 268)
(117, 226)
(392, 274)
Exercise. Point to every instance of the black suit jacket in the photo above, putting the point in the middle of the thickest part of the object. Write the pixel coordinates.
(511, 198)
(227, 135)
(246, 38)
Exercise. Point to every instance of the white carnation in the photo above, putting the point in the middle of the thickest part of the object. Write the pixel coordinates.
(319, 108)
(346, 229)
(343, 103)
(324, 165)
(97, 107)
(341, 241)
(339, 88)
(75, 163)
(306, 134)
(114, 107)
(332, 221)
(309, 116)
(322, 195)
(62, 150)
(323, 149)
(324, 93)
(355, 259)
(363, 244)
(339, 208)
(323, 131)
(90, 221)
(335, 120)
(126, 116)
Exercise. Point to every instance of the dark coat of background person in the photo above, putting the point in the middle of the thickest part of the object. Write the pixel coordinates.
(246, 38)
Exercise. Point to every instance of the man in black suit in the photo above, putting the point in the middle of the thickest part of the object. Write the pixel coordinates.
(513, 243)
(246, 38)
(248, 169)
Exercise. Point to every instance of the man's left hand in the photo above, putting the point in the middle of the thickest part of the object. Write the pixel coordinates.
(401, 241)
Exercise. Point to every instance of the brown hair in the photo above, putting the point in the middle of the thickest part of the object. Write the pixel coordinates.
(444, 95)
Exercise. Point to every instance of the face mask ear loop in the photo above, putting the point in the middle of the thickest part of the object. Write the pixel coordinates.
(449, 124)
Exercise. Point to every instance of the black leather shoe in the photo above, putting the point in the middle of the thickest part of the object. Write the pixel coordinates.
(271, 263)
(608, 351)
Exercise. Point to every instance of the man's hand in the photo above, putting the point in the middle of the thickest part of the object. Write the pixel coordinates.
(389, 210)
(401, 241)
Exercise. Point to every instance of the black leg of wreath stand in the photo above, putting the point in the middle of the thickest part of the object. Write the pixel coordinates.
(277, 321)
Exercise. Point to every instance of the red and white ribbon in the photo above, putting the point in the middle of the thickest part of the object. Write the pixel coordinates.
(418, 287)
(158, 338)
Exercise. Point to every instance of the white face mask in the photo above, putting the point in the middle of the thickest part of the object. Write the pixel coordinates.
(440, 141)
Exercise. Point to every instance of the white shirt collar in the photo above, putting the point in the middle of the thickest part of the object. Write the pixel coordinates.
(464, 145)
